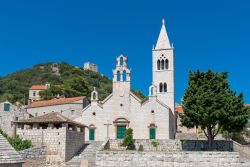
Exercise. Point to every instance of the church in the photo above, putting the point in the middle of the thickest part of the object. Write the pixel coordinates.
(122, 109)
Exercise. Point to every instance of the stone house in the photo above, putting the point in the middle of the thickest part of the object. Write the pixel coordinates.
(150, 119)
(70, 107)
(62, 136)
(8, 113)
(8, 155)
(34, 92)
(182, 131)
(90, 66)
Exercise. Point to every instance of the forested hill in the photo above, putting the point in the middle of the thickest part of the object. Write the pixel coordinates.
(65, 79)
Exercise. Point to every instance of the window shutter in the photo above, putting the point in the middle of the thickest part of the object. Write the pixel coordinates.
(6, 107)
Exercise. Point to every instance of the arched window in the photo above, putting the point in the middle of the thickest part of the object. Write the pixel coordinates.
(162, 64)
(160, 87)
(152, 91)
(121, 61)
(94, 96)
(118, 76)
(166, 64)
(165, 87)
(124, 75)
(158, 65)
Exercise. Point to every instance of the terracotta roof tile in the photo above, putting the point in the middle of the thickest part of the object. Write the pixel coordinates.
(179, 109)
(55, 101)
(248, 105)
(38, 87)
(53, 117)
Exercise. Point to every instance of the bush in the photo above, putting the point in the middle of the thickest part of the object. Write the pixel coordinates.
(17, 143)
(128, 140)
(154, 143)
(141, 148)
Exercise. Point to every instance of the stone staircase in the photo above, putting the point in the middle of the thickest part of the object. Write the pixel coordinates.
(88, 152)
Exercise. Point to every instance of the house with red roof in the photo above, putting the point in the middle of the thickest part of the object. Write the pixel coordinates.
(34, 92)
(66, 106)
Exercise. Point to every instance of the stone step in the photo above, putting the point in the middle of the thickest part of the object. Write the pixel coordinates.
(88, 152)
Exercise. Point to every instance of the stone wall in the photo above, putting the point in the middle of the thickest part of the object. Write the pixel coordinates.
(74, 142)
(53, 139)
(35, 156)
(6, 117)
(162, 145)
(219, 145)
(11, 165)
(164, 159)
(61, 143)
(244, 150)
(33, 152)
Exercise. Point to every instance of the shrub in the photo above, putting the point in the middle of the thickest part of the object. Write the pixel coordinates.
(141, 148)
(154, 143)
(128, 140)
(17, 143)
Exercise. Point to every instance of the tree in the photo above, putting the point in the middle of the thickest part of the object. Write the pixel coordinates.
(46, 94)
(76, 87)
(128, 140)
(210, 103)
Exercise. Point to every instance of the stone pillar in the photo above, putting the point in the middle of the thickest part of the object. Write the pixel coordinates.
(65, 125)
(13, 130)
(121, 75)
(35, 126)
(50, 126)
(27, 127)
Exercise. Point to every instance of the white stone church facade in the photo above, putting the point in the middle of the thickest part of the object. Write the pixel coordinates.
(151, 119)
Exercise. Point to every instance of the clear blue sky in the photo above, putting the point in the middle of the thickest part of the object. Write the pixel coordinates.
(212, 34)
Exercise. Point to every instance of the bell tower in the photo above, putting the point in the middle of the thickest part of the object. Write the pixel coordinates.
(121, 76)
(163, 70)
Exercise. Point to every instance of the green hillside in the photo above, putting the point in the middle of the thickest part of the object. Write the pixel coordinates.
(65, 79)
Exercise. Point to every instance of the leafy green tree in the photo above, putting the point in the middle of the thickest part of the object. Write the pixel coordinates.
(46, 94)
(76, 87)
(128, 140)
(210, 103)
(56, 90)
(139, 94)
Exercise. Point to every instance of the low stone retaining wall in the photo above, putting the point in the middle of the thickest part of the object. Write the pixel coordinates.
(166, 159)
(162, 145)
(33, 152)
(174, 145)
(244, 150)
(202, 145)
(34, 156)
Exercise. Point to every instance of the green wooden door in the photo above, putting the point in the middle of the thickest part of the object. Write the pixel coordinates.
(152, 133)
(121, 130)
(91, 134)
